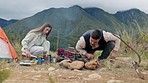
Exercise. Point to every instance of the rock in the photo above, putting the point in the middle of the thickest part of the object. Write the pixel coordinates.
(91, 65)
(103, 69)
(65, 63)
(50, 69)
(76, 65)
(51, 73)
(94, 76)
(115, 81)
(75, 70)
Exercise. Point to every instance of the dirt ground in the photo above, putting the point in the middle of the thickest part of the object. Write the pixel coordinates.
(119, 72)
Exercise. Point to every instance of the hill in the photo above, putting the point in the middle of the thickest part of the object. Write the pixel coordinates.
(70, 23)
(133, 18)
(4, 23)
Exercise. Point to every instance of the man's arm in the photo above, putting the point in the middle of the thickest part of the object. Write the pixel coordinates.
(81, 45)
(110, 37)
(80, 48)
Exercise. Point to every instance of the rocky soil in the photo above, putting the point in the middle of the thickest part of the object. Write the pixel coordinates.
(119, 72)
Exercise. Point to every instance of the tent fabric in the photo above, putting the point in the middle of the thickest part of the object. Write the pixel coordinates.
(4, 53)
(6, 47)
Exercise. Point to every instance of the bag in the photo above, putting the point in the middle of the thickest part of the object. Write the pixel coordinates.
(60, 52)
(68, 54)
(65, 53)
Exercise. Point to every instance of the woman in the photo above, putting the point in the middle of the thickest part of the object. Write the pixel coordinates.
(35, 42)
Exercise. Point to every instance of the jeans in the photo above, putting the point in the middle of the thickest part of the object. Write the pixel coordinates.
(106, 50)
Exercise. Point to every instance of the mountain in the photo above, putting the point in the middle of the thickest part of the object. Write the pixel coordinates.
(133, 18)
(105, 18)
(63, 19)
(70, 23)
(4, 23)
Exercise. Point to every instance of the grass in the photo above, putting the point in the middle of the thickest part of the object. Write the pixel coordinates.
(4, 73)
(51, 80)
(146, 67)
(17, 48)
(97, 54)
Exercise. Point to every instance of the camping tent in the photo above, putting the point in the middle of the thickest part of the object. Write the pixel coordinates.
(6, 49)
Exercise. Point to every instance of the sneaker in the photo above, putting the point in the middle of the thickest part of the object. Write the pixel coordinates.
(32, 56)
(24, 54)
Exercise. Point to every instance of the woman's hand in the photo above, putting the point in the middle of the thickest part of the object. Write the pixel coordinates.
(27, 53)
(47, 53)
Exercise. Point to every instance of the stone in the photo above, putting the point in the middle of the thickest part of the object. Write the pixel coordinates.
(65, 63)
(114, 81)
(50, 69)
(91, 65)
(76, 65)
(94, 76)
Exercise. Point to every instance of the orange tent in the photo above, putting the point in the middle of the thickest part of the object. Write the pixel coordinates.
(6, 49)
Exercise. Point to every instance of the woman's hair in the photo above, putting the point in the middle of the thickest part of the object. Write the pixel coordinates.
(41, 28)
(96, 34)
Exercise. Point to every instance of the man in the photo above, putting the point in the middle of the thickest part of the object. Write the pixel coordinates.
(93, 40)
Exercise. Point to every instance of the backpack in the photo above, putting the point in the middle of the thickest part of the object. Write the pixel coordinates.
(60, 52)
(68, 53)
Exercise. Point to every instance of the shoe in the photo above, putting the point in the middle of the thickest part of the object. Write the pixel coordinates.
(31, 56)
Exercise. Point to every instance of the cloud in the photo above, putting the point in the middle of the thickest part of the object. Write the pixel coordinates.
(18, 9)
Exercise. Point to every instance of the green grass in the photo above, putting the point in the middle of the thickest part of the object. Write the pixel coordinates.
(4, 73)
(97, 54)
(146, 67)
(51, 80)
(17, 48)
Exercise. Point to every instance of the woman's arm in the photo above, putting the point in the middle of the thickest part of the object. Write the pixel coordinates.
(27, 39)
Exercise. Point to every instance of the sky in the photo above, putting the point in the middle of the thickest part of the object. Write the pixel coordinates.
(19, 9)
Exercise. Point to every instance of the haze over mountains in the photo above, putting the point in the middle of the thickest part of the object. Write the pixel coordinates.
(70, 23)
(4, 23)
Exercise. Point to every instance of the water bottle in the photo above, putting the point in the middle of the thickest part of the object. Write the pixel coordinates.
(54, 60)
(49, 58)
(40, 61)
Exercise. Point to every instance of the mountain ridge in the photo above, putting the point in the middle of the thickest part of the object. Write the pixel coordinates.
(70, 23)
(4, 23)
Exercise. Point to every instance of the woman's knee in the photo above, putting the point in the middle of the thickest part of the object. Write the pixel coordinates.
(38, 51)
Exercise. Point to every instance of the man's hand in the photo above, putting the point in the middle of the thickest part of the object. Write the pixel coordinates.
(113, 55)
(89, 56)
